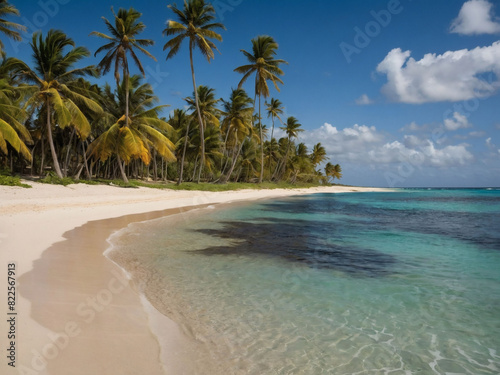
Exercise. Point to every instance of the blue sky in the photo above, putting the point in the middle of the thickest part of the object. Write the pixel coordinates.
(400, 93)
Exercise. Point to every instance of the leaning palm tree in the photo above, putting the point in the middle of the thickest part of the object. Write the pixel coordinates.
(52, 80)
(266, 67)
(195, 24)
(333, 171)
(10, 29)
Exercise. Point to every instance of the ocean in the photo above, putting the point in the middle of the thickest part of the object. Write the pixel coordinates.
(404, 282)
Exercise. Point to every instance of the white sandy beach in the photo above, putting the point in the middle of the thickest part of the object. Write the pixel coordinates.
(76, 312)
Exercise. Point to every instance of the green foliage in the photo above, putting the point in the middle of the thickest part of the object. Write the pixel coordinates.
(225, 187)
(12, 181)
(53, 179)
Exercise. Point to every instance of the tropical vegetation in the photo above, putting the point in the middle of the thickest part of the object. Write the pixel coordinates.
(60, 124)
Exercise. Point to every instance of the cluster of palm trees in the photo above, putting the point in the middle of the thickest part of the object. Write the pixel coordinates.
(52, 118)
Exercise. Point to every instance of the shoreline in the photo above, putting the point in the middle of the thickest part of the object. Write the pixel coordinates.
(51, 221)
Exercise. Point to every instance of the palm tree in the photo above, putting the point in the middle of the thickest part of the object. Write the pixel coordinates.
(195, 23)
(206, 110)
(266, 67)
(10, 29)
(301, 165)
(52, 90)
(123, 41)
(249, 161)
(318, 154)
(333, 171)
(145, 130)
(274, 110)
(237, 123)
(273, 153)
(12, 130)
(182, 122)
(292, 129)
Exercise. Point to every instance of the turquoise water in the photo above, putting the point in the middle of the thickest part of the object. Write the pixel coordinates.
(360, 283)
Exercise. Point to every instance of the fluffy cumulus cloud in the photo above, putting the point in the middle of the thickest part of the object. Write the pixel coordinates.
(476, 17)
(458, 121)
(349, 143)
(434, 77)
(364, 100)
(422, 153)
(366, 146)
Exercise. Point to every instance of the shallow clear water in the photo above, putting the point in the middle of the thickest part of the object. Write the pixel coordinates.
(362, 283)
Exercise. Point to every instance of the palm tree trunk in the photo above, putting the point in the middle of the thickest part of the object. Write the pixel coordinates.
(122, 169)
(283, 165)
(270, 145)
(42, 161)
(223, 169)
(228, 176)
(183, 155)
(85, 161)
(57, 168)
(155, 167)
(125, 78)
(195, 166)
(200, 120)
(261, 148)
(66, 160)
(32, 163)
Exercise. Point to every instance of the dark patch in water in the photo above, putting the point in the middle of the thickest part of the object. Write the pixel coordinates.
(307, 242)
(479, 228)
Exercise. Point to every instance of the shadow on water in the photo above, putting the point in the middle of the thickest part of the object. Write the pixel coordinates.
(317, 231)
(298, 241)
(478, 228)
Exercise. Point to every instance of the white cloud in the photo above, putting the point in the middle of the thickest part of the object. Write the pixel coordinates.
(350, 143)
(452, 76)
(423, 154)
(366, 146)
(475, 17)
(364, 100)
(490, 144)
(458, 121)
(414, 127)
